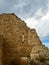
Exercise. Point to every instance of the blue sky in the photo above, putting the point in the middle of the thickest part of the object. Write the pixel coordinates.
(46, 42)
(34, 12)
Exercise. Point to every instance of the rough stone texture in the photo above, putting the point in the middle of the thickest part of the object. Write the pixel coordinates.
(12, 44)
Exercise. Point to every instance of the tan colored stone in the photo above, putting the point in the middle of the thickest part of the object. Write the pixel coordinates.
(11, 29)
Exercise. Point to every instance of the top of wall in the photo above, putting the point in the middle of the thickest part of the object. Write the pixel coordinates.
(11, 16)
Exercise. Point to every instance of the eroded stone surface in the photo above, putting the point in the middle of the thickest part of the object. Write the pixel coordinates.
(12, 30)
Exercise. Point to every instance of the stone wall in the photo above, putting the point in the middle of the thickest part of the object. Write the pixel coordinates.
(1, 49)
(33, 38)
(19, 39)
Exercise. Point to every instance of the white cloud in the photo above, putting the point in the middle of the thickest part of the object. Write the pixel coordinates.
(31, 22)
(41, 25)
(38, 12)
(46, 17)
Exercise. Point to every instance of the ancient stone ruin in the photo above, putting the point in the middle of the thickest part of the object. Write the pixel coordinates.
(17, 40)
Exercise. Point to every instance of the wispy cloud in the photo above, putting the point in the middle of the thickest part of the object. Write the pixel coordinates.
(24, 8)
